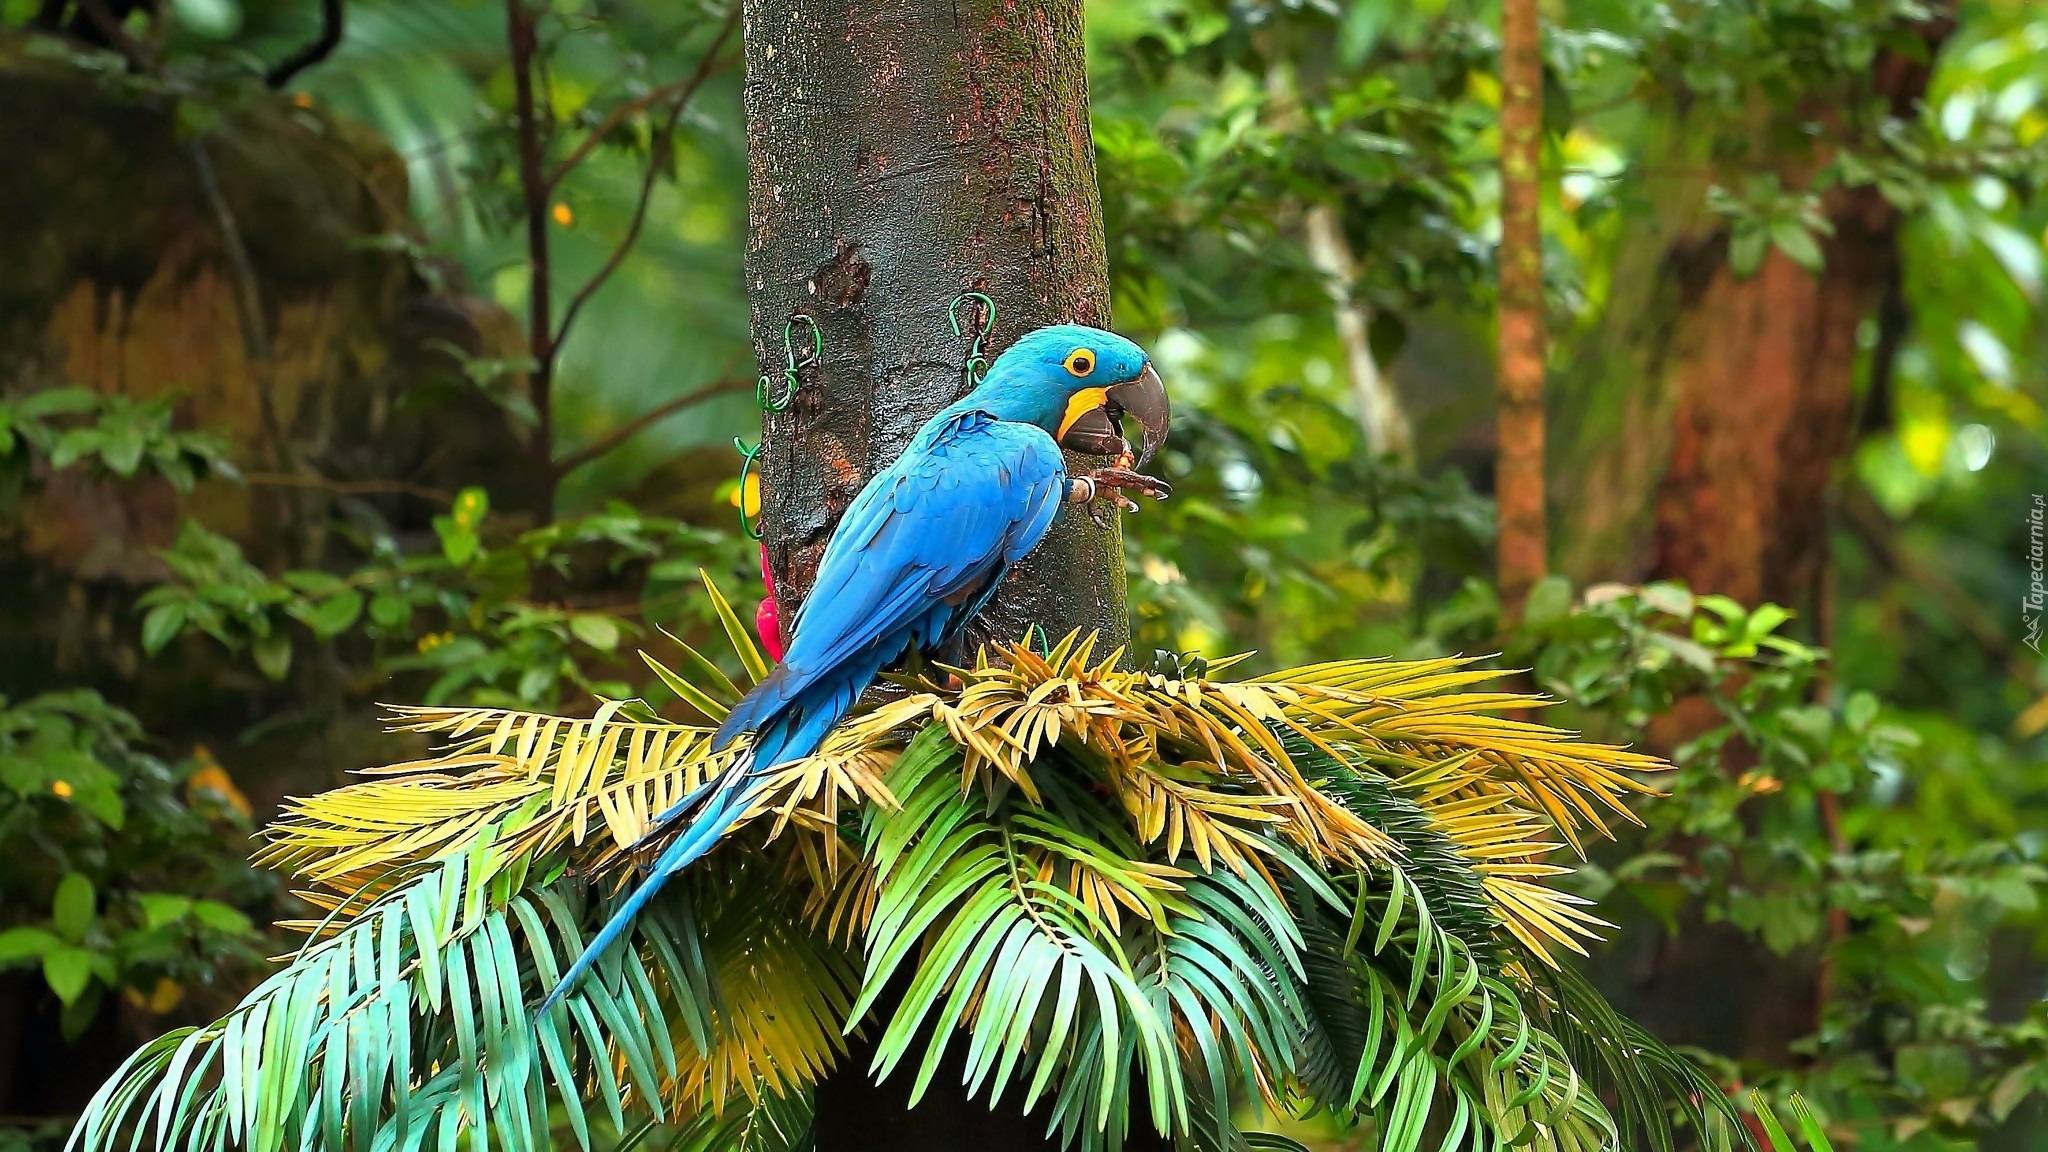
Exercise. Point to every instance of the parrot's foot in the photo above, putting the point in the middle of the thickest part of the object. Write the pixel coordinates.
(1111, 485)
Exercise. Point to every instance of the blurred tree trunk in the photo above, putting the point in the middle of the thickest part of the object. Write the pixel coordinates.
(901, 153)
(1380, 417)
(1699, 432)
(1518, 475)
(238, 286)
(1699, 437)
(224, 270)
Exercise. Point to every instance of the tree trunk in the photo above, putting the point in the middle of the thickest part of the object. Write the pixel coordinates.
(1704, 424)
(1723, 404)
(902, 153)
(1518, 477)
(1699, 439)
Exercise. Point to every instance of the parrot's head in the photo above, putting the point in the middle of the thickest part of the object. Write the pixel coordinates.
(1078, 383)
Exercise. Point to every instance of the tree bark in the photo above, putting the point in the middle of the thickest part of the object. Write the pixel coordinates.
(523, 39)
(1518, 476)
(902, 153)
(1721, 405)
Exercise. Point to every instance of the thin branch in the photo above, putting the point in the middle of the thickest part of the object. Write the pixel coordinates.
(349, 487)
(524, 46)
(630, 428)
(248, 297)
(707, 66)
(117, 36)
(313, 53)
(1379, 407)
(159, 30)
(682, 88)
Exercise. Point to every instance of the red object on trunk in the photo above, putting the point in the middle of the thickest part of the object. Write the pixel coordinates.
(768, 618)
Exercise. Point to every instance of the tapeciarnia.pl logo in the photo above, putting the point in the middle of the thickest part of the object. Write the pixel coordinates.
(2035, 604)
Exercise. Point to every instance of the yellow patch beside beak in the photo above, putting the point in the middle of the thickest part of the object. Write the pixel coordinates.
(1083, 402)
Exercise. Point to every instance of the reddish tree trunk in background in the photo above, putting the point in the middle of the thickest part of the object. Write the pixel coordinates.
(1518, 476)
(1764, 401)
(1699, 436)
(1699, 429)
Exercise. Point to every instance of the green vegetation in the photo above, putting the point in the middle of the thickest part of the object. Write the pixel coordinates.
(1838, 895)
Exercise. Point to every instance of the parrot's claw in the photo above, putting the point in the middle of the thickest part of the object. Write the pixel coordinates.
(1125, 480)
(1109, 486)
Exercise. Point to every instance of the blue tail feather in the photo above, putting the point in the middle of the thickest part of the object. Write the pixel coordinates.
(727, 802)
(762, 703)
(790, 718)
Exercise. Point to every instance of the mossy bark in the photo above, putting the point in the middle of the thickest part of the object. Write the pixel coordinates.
(115, 276)
(1518, 474)
(1697, 435)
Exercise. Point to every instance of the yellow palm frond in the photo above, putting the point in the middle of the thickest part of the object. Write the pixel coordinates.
(1200, 766)
(783, 991)
(1016, 703)
(532, 780)
(1413, 713)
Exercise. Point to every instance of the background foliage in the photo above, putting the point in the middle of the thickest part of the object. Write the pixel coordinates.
(1842, 894)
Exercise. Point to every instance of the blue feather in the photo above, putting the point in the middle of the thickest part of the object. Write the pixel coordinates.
(724, 802)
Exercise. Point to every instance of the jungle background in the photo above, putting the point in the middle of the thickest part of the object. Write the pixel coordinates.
(283, 435)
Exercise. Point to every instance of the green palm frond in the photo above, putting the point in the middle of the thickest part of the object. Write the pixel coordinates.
(765, 1123)
(1411, 1017)
(1646, 1079)
(414, 1025)
(1116, 897)
(1003, 951)
(1008, 917)
(1802, 1112)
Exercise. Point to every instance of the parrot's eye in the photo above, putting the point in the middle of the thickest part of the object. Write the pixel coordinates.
(1080, 362)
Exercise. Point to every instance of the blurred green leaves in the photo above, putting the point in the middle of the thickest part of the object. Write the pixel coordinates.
(115, 880)
(1765, 216)
(112, 434)
(465, 615)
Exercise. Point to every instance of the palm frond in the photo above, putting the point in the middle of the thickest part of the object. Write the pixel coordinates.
(1042, 985)
(1409, 1018)
(1118, 897)
(1411, 714)
(413, 1027)
(1649, 1082)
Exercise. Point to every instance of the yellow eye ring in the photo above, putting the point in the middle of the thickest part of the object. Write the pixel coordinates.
(1080, 362)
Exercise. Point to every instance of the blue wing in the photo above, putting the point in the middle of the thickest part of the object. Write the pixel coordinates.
(917, 554)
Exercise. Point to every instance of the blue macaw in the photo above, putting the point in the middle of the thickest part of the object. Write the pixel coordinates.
(919, 552)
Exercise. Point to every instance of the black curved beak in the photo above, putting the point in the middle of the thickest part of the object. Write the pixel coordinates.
(1145, 398)
(1100, 431)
